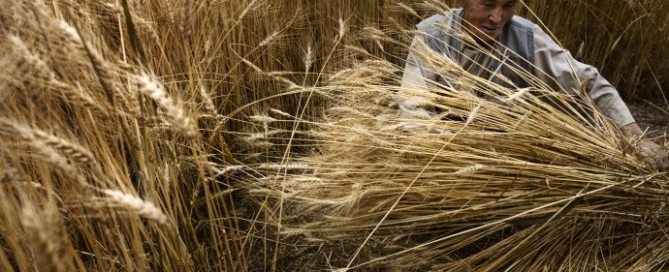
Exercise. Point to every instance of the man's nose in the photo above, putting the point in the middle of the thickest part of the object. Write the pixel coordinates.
(496, 15)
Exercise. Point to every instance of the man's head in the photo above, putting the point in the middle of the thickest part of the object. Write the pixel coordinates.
(486, 18)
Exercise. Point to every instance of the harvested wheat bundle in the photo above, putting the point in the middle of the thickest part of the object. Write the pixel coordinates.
(531, 171)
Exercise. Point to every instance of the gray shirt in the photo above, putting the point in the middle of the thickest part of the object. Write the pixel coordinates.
(555, 66)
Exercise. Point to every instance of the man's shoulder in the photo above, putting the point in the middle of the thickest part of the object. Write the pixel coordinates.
(522, 24)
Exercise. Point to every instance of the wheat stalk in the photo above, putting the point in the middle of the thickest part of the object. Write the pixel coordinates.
(175, 114)
(142, 207)
(208, 102)
(45, 234)
(44, 77)
(104, 70)
(41, 138)
(46, 148)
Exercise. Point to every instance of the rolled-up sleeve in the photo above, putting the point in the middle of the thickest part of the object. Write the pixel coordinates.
(555, 63)
(415, 77)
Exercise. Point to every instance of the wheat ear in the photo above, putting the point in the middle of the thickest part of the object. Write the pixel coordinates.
(142, 207)
(175, 114)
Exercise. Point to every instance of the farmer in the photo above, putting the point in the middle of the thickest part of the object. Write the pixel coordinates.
(524, 46)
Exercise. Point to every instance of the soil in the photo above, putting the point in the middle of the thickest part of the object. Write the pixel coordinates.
(654, 117)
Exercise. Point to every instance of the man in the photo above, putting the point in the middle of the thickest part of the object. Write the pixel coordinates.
(525, 47)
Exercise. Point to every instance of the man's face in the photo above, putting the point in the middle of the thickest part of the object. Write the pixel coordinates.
(487, 17)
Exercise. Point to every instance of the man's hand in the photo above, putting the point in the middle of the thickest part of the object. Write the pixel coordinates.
(654, 154)
(649, 150)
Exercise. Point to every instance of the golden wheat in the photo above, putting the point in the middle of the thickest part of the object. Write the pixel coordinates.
(176, 114)
(72, 96)
(143, 208)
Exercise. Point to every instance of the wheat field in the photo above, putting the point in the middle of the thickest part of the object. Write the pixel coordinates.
(262, 135)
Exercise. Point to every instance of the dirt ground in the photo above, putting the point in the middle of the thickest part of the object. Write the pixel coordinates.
(654, 117)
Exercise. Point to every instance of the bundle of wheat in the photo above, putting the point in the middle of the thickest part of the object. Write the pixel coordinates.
(524, 179)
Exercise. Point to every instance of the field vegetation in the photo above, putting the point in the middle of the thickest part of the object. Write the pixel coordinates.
(263, 135)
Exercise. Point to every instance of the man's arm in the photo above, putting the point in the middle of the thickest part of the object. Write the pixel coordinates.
(414, 72)
(556, 63)
(415, 77)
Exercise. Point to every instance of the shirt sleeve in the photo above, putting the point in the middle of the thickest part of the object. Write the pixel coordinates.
(415, 77)
(555, 63)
